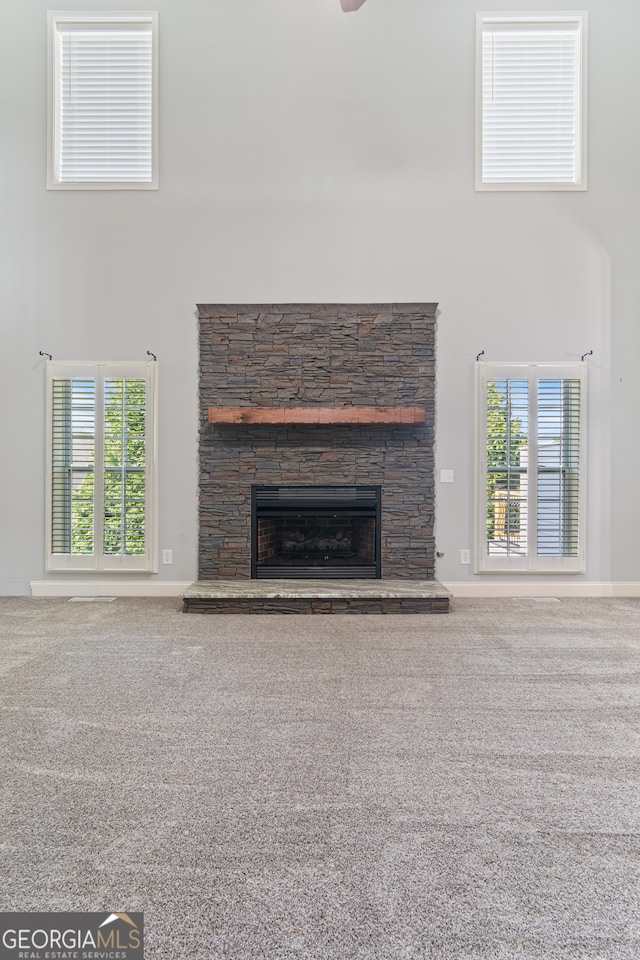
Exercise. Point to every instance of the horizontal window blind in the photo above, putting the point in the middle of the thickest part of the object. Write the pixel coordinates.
(531, 102)
(103, 103)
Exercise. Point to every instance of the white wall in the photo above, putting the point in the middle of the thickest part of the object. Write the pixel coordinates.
(308, 155)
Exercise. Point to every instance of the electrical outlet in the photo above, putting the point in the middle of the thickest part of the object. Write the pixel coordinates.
(465, 556)
(167, 556)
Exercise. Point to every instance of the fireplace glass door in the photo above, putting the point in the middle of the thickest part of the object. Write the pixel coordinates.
(315, 532)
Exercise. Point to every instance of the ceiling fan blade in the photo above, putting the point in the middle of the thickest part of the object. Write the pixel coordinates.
(349, 5)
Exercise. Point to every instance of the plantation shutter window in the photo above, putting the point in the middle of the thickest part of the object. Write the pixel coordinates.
(531, 95)
(531, 466)
(73, 457)
(101, 466)
(102, 101)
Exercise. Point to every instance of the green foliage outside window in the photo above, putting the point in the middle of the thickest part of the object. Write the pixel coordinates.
(124, 465)
(505, 439)
(124, 476)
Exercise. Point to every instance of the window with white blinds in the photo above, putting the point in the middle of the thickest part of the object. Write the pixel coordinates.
(101, 466)
(102, 100)
(531, 99)
(531, 459)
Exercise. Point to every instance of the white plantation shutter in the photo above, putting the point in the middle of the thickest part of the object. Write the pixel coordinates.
(72, 464)
(531, 101)
(101, 466)
(102, 103)
(558, 463)
(531, 467)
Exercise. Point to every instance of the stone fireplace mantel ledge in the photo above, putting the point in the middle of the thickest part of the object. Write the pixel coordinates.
(311, 415)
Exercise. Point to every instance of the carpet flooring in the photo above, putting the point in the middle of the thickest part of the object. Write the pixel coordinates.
(324, 788)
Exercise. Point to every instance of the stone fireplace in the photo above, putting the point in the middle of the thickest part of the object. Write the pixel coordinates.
(331, 400)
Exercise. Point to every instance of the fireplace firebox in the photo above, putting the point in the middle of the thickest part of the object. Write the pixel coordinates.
(315, 532)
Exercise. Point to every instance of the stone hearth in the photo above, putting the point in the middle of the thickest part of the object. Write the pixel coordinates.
(317, 596)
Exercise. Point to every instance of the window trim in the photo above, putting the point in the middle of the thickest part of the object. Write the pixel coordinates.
(106, 18)
(544, 17)
(531, 563)
(99, 370)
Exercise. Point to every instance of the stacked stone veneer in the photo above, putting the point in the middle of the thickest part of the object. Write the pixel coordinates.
(317, 355)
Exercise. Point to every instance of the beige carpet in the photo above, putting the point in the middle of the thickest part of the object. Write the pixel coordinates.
(370, 788)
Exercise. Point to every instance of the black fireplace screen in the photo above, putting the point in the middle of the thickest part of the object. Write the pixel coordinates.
(313, 532)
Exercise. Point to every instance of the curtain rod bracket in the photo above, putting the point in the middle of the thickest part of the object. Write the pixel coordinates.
(587, 354)
(149, 354)
(481, 354)
(44, 354)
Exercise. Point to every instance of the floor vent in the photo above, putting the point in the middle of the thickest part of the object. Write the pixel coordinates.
(91, 599)
(536, 599)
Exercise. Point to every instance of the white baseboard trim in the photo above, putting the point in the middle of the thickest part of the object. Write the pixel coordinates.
(176, 588)
(107, 588)
(544, 588)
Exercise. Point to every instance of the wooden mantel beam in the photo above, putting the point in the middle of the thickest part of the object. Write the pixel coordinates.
(310, 415)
